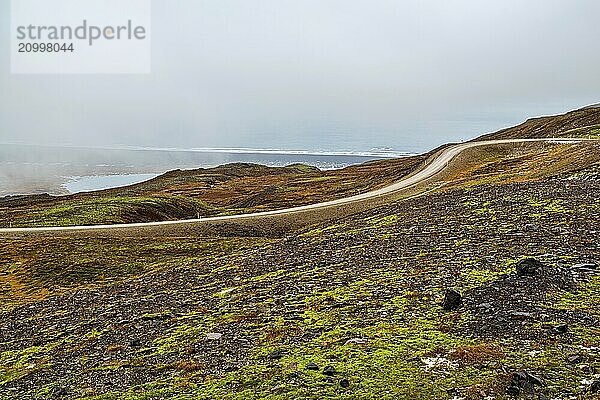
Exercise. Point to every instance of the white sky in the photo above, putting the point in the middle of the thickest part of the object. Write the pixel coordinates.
(346, 73)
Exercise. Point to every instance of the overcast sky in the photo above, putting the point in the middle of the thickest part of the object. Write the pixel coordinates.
(337, 74)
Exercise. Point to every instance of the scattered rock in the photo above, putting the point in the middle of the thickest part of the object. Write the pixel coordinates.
(345, 383)
(535, 380)
(520, 315)
(586, 369)
(293, 375)
(59, 392)
(311, 366)
(329, 371)
(513, 390)
(560, 329)
(356, 341)
(585, 266)
(575, 359)
(532, 227)
(275, 355)
(529, 267)
(214, 336)
(595, 387)
(523, 382)
(452, 300)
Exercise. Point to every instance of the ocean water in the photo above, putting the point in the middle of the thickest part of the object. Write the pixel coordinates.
(28, 169)
(79, 184)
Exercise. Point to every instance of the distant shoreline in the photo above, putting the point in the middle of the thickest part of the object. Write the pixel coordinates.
(38, 169)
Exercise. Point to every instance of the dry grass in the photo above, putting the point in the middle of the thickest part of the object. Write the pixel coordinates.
(477, 354)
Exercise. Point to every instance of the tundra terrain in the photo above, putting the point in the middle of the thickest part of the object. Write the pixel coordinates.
(484, 284)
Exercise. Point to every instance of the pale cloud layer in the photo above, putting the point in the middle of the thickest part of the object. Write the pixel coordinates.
(342, 73)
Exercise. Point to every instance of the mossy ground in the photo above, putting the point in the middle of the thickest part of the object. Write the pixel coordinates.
(129, 319)
(109, 210)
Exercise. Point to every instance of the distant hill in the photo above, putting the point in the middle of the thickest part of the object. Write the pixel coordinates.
(584, 122)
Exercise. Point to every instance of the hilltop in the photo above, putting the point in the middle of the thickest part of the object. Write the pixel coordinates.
(584, 122)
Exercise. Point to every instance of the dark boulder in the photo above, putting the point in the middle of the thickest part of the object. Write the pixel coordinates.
(311, 366)
(275, 355)
(560, 329)
(513, 390)
(529, 267)
(329, 371)
(523, 382)
(452, 300)
(59, 392)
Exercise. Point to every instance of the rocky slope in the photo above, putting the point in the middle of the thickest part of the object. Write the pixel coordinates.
(487, 287)
(351, 310)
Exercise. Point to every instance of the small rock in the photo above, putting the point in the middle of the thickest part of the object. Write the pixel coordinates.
(575, 359)
(329, 371)
(275, 355)
(595, 387)
(520, 316)
(311, 366)
(230, 368)
(513, 390)
(60, 392)
(535, 380)
(523, 382)
(356, 341)
(293, 375)
(560, 329)
(585, 266)
(214, 336)
(586, 369)
(532, 227)
(529, 267)
(452, 300)
(135, 343)
(345, 383)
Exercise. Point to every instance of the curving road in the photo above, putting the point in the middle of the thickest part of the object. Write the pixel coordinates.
(434, 166)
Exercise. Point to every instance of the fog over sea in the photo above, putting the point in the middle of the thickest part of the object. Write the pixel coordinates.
(64, 168)
(36, 169)
(326, 83)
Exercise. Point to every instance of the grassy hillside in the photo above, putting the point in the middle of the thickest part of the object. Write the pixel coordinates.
(583, 123)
